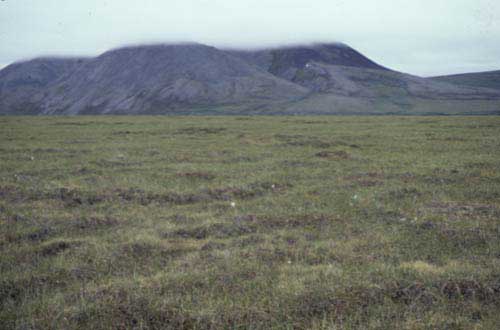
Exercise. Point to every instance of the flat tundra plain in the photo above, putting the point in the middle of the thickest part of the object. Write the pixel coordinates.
(249, 222)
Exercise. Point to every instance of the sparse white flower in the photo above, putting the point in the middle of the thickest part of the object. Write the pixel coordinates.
(289, 262)
(355, 197)
(273, 186)
(32, 158)
(233, 204)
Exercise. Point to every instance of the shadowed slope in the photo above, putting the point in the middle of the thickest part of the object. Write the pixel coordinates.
(490, 79)
(343, 89)
(341, 80)
(285, 61)
(22, 84)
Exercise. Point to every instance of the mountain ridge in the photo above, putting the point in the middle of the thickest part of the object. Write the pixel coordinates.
(486, 79)
(188, 77)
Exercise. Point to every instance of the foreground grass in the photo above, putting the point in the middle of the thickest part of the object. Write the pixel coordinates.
(338, 223)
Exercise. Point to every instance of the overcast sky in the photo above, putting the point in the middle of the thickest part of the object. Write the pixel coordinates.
(424, 37)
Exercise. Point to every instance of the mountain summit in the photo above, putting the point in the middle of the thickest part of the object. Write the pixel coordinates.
(286, 61)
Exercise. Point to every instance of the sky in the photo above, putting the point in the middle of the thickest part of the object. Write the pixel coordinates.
(422, 37)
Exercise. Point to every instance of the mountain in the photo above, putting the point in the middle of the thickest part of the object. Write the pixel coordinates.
(164, 78)
(198, 79)
(22, 84)
(343, 81)
(285, 62)
(355, 90)
(490, 79)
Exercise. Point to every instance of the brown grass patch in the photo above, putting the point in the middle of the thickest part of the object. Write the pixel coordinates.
(196, 175)
(335, 155)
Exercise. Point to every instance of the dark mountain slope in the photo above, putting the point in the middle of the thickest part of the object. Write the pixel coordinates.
(22, 84)
(284, 62)
(193, 78)
(490, 79)
(165, 78)
(344, 89)
(362, 82)
(341, 80)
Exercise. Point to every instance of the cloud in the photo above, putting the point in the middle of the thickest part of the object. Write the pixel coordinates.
(421, 37)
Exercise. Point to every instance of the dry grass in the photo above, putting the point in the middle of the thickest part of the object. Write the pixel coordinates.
(250, 223)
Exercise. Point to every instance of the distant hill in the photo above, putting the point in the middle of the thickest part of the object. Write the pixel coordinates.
(159, 78)
(22, 84)
(343, 81)
(199, 79)
(355, 90)
(490, 79)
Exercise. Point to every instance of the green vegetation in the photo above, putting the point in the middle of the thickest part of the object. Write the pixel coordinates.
(249, 222)
(489, 79)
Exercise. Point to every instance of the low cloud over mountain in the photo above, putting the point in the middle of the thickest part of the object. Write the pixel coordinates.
(194, 78)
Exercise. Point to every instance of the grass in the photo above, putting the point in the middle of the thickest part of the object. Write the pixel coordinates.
(338, 222)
